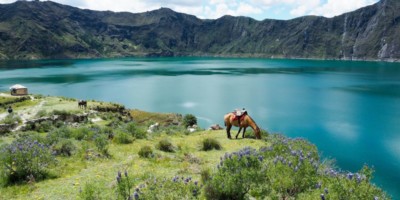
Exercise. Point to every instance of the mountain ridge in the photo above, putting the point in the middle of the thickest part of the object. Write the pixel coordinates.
(48, 30)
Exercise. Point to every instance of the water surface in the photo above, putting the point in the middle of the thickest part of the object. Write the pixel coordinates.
(350, 110)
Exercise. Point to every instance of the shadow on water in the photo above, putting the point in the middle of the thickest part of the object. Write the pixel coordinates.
(56, 79)
(10, 65)
(389, 90)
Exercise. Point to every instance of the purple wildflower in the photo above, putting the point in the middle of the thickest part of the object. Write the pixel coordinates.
(136, 195)
(326, 190)
(119, 174)
(350, 176)
(318, 185)
(260, 158)
(322, 197)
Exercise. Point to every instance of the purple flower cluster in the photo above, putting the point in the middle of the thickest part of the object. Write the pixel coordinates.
(187, 184)
(27, 156)
(246, 155)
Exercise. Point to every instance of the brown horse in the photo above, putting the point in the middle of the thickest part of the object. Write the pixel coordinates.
(82, 104)
(245, 121)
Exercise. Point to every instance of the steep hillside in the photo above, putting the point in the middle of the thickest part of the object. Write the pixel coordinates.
(35, 30)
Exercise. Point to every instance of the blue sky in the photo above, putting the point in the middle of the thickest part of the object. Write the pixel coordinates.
(212, 9)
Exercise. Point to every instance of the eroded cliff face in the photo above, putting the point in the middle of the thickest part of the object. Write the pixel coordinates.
(34, 30)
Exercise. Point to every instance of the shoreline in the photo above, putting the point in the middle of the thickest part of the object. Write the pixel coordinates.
(233, 56)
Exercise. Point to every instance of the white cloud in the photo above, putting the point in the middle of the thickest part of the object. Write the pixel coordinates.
(212, 9)
(247, 9)
(336, 7)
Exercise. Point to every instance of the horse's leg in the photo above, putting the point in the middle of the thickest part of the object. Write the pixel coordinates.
(228, 131)
(244, 130)
(240, 128)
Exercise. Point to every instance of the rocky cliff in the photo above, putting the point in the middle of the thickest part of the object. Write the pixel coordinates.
(36, 30)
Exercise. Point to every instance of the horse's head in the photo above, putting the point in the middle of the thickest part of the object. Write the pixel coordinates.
(258, 133)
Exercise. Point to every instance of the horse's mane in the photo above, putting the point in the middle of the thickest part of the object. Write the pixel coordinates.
(253, 121)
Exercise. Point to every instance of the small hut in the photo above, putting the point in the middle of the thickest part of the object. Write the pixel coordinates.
(18, 89)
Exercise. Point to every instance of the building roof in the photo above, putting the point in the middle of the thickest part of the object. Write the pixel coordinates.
(17, 86)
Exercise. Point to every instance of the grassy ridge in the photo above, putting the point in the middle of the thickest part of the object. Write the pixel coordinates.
(89, 155)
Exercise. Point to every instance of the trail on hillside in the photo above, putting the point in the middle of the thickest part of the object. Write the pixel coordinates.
(28, 113)
(25, 113)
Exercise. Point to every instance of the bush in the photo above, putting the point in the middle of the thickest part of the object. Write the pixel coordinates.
(25, 157)
(209, 144)
(41, 113)
(124, 186)
(44, 126)
(146, 152)
(11, 119)
(122, 137)
(189, 120)
(54, 135)
(91, 191)
(171, 188)
(237, 174)
(64, 147)
(82, 133)
(288, 169)
(137, 132)
(165, 145)
(101, 141)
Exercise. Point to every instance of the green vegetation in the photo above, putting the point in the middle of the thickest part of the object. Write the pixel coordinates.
(189, 120)
(165, 145)
(210, 144)
(112, 157)
(11, 119)
(24, 158)
(370, 33)
(146, 152)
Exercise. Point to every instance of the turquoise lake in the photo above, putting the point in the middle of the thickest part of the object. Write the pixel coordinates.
(350, 110)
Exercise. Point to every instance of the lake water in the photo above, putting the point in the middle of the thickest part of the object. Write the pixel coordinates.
(350, 110)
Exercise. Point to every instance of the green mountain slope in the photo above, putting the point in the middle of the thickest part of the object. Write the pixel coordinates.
(35, 30)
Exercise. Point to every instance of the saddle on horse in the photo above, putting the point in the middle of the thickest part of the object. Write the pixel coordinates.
(239, 114)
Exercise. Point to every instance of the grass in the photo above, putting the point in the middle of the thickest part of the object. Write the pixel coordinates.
(73, 172)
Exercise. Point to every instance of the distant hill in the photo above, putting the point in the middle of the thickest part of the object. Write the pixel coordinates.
(37, 30)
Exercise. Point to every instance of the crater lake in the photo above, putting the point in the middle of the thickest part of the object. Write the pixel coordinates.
(350, 110)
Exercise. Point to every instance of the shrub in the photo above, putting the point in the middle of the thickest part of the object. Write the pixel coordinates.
(23, 158)
(171, 188)
(91, 191)
(135, 131)
(101, 141)
(146, 152)
(44, 126)
(64, 147)
(237, 174)
(41, 113)
(124, 185)
(189, 120)
(122, 137)
(205, 175)
(82, 133)
(11, 119)
(209, 144)
(165, 145)
(54, 135)
(288, 169)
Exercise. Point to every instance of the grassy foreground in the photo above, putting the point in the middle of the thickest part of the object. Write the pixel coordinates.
(102, 158)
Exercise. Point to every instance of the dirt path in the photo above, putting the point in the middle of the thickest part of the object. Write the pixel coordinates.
(29, 113)
(25, 113)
